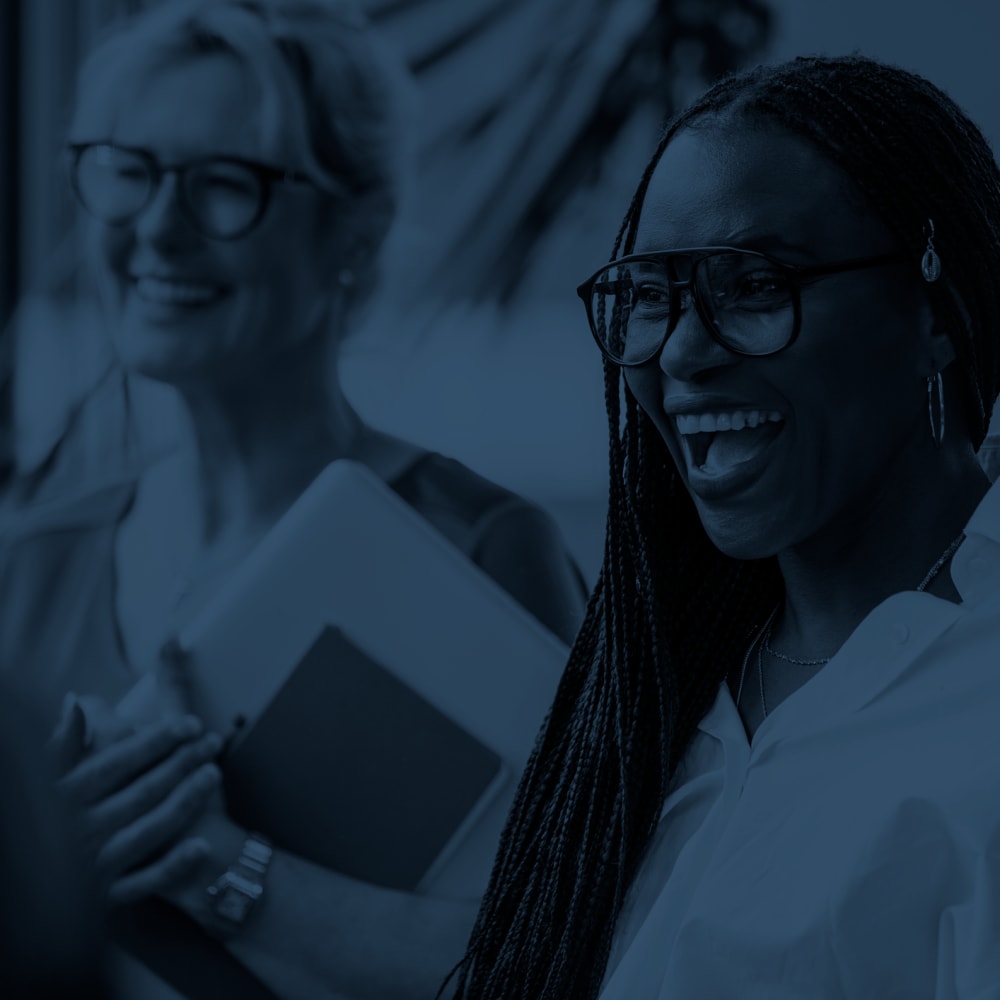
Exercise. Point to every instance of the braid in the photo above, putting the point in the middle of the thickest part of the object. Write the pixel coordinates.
(670, 616)
(915, 156)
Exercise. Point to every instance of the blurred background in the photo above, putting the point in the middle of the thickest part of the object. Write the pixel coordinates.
(533, 121)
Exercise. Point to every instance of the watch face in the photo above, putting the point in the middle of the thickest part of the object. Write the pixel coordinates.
(233, 904)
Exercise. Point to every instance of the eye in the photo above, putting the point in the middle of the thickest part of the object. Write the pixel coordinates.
(764, 283)
(131, 174)
(649, 293)
(760, 289)
(229, 183)
(225, 180)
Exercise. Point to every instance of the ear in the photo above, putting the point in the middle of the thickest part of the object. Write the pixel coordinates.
(937, 350)
(942, 351)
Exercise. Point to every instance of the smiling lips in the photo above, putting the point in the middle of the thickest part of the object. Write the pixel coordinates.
(720, 444)
(176, 292)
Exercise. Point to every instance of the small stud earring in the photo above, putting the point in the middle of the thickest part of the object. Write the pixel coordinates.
(930, 264)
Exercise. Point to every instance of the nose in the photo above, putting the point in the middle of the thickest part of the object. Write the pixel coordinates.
(690, 353)
(161, 222)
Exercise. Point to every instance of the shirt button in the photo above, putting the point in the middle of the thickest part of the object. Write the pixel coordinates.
(900, 633)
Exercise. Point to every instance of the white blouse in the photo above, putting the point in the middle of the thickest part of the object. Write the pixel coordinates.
(853, 849)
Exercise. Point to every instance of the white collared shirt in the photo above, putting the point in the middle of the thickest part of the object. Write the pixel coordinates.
(853, 850)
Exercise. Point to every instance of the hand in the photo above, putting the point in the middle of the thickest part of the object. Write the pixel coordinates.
(138, 797)
(86, 724)
(219, 841)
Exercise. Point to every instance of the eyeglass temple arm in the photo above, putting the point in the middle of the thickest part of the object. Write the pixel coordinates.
(849, 265)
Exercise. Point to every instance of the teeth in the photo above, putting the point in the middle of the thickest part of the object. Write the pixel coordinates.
(175, 292)
(710, 423)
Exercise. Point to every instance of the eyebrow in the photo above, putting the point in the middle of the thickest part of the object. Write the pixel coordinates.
(767, 242)
(746, 239)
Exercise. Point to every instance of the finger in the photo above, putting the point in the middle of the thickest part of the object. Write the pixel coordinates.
(111, 769)
(162, 875)
(149, 789)
(174, 674)
(158, 829)
(66, 744)
(104, 725)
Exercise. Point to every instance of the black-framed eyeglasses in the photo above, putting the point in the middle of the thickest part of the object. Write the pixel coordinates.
(221, 197)
(749, 301)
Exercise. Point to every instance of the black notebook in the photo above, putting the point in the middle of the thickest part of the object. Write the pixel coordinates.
(351, 768)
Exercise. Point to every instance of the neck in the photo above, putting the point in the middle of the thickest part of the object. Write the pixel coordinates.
(257, 442)
(886, 545)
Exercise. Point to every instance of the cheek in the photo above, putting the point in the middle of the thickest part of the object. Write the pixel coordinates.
(267, 312)
(271, 267)
(864, 371)
(855, 397)
(269, 295)
(107, 256)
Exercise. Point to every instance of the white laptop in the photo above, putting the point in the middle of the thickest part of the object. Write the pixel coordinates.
(382, 693)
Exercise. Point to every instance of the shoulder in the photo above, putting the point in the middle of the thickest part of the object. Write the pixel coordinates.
(58, 555)
(434, 484)
(989, 455)
(463, 505)
(510, 538)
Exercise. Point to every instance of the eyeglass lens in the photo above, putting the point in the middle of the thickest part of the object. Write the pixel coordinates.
(749, 301)
(221, 198)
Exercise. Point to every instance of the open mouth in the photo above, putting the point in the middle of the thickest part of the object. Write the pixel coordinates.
(717, 443)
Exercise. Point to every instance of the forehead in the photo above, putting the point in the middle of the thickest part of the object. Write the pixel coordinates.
(184, 107)
(766, 189)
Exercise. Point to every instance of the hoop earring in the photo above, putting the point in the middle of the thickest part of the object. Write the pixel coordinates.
(937, 422)
(930, 263)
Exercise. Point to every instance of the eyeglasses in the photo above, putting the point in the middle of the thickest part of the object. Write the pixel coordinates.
(222, 198)
(748, 301)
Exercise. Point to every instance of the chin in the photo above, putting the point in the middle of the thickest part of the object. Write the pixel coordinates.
(741, 536)
(167, 351)
(157, 362)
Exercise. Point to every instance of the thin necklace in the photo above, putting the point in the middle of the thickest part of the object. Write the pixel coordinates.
(760, 640)
(766, 643)
(936, 568)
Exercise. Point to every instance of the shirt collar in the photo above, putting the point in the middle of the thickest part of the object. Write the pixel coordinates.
(891, 636)
(975, 568)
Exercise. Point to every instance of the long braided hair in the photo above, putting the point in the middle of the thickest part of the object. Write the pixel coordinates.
(671, 616)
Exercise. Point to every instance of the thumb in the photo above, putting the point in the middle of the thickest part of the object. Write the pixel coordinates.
(174, 677)
(67, 744)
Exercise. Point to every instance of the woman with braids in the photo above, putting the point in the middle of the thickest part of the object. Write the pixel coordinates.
(772, 767)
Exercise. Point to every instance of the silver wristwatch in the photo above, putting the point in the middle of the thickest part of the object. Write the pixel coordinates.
(238, 891)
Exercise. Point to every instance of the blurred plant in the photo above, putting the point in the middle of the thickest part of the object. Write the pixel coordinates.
(499, 161)
(683, 46)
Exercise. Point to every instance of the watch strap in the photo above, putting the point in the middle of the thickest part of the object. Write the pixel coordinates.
(237, 892)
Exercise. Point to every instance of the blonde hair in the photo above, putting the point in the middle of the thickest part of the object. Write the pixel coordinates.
(328, 89)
